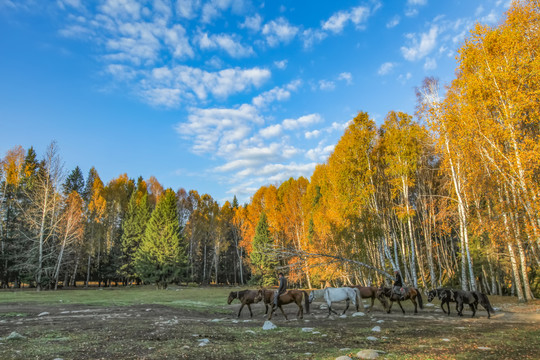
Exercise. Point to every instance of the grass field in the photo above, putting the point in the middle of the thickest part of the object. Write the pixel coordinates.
(144, 323)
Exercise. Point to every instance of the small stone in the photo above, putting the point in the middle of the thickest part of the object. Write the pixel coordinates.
(311, 342)
(358, 314)
(250, 332)
(268, 325)
(483, 348)
(344, 349)
(429, 305)
(445, 339)
(372, 338)
(15, 336)
(317, 332)
(323, 307)
(216, 320)
(343, 316)
(376, 329)
(235, 321)
(367, 354)
(185, 347)
(308, 354)
(307, 329)
(324, 335)
(380, 321)
(344, 357)
(58, 359)
(204, 342)
(43, 313)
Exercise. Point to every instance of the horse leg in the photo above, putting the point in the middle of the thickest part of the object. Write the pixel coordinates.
(372, 303)
(473, 309)
(283, 312)
(414, 302)
(344, 311)
(250, 312)
(460, 310)
(239, 311)
(399, 303)
(390, 306)
(300, 310)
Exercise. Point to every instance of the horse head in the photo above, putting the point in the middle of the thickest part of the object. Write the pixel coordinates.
(431, 295)
(381, 296)
(232, 296)
(259, 296)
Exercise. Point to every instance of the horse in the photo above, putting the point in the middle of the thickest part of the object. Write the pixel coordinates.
(246, 297)
(287, 297)
(465, 297)
(444, 295)
(367, 292)
(339, 294)
(410, 294)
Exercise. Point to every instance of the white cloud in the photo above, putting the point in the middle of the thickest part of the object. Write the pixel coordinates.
(279, 31)
(346, 76)
(416, 2)
(122, 9)
(337, 22)
(187, 8)
(276, 94)
(312, 134)
(393, 22)
(229, 43)
(312, 36)
(303, 121)
(216, 129)
(430, 64)
(326, 85)
(386, 68)
(213, 8)
(271, 131)
(282, 64)
(320, 153)
(252, 23)
(403, 78)
(422, 45)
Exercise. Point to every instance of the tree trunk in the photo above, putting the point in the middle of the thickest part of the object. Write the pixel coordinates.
(515, 271)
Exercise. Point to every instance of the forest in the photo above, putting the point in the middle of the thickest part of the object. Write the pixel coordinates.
(449, 196)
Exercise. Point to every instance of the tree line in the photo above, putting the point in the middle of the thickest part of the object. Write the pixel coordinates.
(449, 197)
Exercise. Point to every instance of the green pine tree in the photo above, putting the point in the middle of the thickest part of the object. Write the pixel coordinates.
(161, 257)
(262, 255)
(74, 182)
(133, 229)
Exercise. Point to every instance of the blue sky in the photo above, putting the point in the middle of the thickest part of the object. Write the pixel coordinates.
(220, 96)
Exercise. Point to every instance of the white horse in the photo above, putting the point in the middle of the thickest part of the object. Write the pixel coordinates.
(337, 294)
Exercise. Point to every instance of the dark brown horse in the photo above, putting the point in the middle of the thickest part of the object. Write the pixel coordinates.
(246, 297)
(290, 296)
(368, 292)
(410, 294)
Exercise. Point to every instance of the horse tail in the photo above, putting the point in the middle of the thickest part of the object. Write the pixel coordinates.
(485, 300)
(420, 301)
(306, 301)
(358, 296)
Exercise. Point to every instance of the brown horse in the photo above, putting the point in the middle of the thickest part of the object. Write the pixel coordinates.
(410, 294)
(288, 297)
(368, 292)
(246, 297)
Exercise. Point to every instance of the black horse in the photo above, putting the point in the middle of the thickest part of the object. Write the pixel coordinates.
(444, 295)
(461, 297)
(484, 301)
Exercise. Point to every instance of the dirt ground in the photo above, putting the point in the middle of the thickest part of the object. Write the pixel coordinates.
(157, 332)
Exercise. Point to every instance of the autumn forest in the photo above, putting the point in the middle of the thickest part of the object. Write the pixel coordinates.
(449, 196)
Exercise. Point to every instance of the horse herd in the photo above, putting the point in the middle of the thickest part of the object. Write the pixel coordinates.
(355, 294)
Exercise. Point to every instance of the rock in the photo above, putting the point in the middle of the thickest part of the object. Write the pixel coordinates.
(358, 314)
(15, 336)
(308, 354)
(204, 342)
(268, 325)
(343, 316)
(58, 359)
(185, 347)
(483, 348)
(235, 321)
(317, 332)
(496, 309)
(344, 357)
(311, 342)
(376, 329)
(307, 329)
(372, 338)
(367, 354)
(380, 321)
(251, 332)
(43, 313)
(445, 339)
(323, 307)
(429, 305)
(344, 349)
(367, 306)
(216, 320)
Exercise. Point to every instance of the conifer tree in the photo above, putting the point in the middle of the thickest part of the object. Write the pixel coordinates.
(74, 182)
(161, 258)
(134, 226)
(262, 256)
